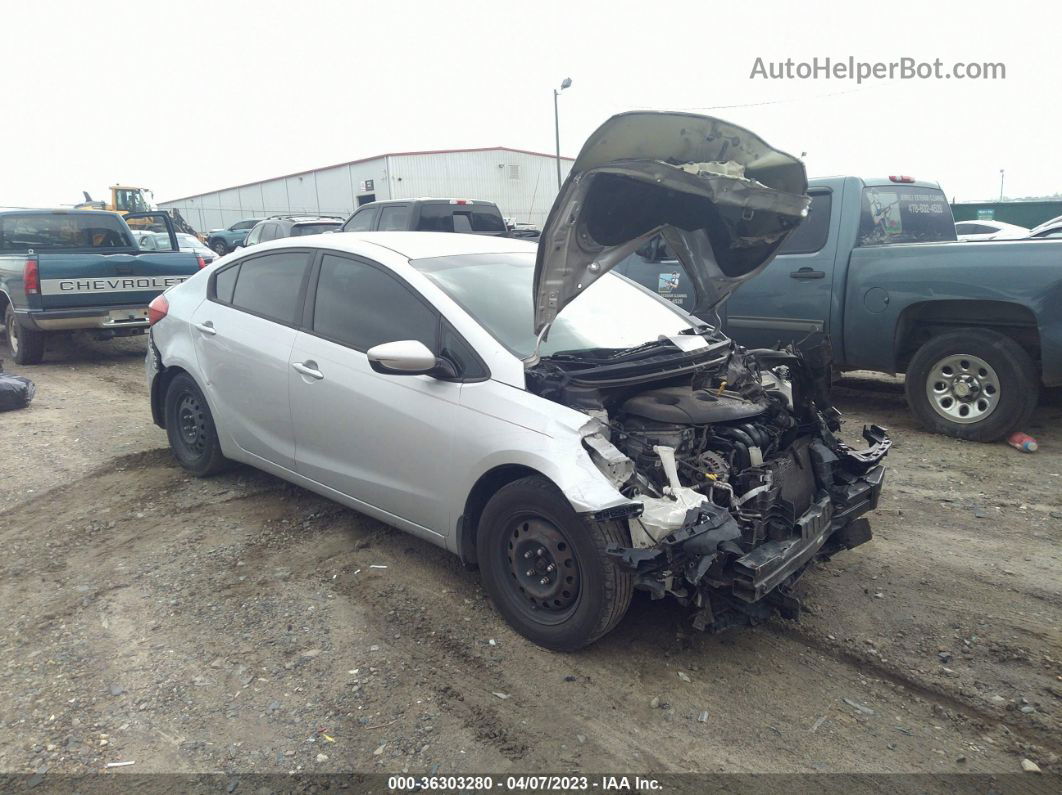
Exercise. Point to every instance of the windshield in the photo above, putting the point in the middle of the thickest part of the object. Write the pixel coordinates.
(904, 214)
(495, 289)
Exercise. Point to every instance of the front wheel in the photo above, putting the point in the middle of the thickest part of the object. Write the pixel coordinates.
(27, 345)
(545, 568)
(219, 248)
(190, 428)
(972, 384)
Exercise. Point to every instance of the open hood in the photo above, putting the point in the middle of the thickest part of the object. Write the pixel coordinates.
(722, 199)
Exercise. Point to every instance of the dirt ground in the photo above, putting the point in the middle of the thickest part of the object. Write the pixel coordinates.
(240, 624)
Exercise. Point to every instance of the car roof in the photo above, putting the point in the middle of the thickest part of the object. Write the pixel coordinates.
(56, 211)
(426, 200)
(411, 245)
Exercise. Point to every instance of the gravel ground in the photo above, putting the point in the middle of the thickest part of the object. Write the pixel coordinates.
(240, 624)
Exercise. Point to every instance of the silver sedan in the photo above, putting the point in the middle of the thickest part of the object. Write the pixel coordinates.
(570, 432)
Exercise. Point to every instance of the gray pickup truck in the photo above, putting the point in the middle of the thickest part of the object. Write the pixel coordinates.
(976, 327)
(71, 270)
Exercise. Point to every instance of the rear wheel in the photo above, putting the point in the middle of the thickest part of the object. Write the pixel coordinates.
(27, 345)
(545, 568)
(190, 427)
(972, 384)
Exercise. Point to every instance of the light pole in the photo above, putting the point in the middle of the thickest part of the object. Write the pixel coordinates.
(556, 123)
(1001, 184)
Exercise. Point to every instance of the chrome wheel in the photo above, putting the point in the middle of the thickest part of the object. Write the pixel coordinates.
(963, 388)
(544, 574)
(12, 333)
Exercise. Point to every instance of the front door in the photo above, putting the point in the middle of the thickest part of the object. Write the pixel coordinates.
(791, 298)
(244, 333)
(384, 440)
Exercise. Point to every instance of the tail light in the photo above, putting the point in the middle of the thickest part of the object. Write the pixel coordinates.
(202, 262)
(460, 201)
(31, 281)
(158, 309)
(902, 179)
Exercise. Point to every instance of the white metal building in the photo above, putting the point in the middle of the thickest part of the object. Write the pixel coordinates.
(523, 184)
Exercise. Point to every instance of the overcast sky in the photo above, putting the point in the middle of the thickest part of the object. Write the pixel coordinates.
(186, 97)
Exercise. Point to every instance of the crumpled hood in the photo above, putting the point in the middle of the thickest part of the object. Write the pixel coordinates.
(719, 195)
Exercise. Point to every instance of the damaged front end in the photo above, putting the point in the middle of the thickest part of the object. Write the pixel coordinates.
(729, 457)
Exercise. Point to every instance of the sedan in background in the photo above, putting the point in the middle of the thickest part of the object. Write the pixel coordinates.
(989, 230)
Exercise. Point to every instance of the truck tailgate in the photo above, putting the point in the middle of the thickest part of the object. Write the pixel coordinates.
(72, 280)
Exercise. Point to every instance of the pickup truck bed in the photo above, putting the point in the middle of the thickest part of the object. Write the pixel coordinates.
(67, 270)
(976, 327)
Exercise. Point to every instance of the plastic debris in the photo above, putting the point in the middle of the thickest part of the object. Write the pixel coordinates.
(502, 696)
(119, 764)
(703, 717)
(1024, 442)
(16, 392)
(1029, 766)
(858, 707)
(377, 566)
(684, 676)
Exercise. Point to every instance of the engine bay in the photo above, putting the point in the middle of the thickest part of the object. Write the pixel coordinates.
(736, 478)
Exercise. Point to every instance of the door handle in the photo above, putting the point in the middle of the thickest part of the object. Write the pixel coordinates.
(207, 328)
(807, 273)
(308, 369)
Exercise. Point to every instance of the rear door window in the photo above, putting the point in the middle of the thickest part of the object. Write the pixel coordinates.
(904, 214)
(811, 235)
(270, 285)
(361, 221)
(361, 305)
(394, 218)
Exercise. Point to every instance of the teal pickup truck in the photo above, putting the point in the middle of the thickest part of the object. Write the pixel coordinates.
(71, 270)
(976, 327)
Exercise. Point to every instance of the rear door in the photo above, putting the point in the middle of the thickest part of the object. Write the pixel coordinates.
(791, 298)
(383, 440)
(244, 333)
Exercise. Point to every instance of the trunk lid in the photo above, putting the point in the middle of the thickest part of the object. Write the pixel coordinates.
(722, 199)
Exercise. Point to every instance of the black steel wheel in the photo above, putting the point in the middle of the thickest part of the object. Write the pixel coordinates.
(190, 427)
(545, 567)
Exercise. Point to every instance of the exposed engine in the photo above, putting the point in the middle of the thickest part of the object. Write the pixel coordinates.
(732, 462)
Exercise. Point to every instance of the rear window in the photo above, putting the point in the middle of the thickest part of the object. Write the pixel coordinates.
(313, 229)
(51, 231)
(460, 218)
(904, 214)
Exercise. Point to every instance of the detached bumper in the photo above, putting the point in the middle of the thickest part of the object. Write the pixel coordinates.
(91, 317)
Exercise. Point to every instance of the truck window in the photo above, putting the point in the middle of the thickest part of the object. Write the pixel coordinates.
(811, 235)
(460, 218)
(62, 231)
(361, 221)
(904, 214)
(394, 218)
(314, 229)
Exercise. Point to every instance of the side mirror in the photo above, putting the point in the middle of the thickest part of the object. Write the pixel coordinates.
(408, 357)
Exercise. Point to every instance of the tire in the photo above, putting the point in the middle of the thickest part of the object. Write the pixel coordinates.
(190, 428)
(27, 345)
(219, 247)
(999, 392)
(574, 609)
